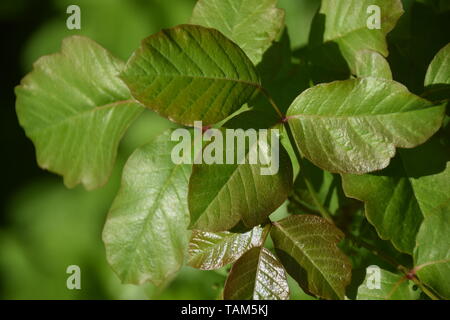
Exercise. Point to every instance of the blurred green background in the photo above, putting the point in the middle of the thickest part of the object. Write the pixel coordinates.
(45, 227)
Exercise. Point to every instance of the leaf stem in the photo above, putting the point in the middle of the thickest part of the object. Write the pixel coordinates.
(301, 206)
(323, 211)
(425, 289)
(272, 102)
(416, 281)
(266, 232)
(430, 263)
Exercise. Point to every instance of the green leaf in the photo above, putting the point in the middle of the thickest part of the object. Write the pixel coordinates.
(372, 64)
(354, 126)
(439, 69)
(391, 287)
(190, 73)
(341, 30)
(75, 110)
(208, 250)
(437, 79)
(390, 204)
(146, 235)
(428, 168)
(257, 275)
(396, 199)
(220, 195)
(306, 246)
(252, 24)
(432, 254)
(364, 248)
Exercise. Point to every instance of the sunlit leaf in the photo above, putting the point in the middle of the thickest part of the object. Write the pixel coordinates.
(354, 126)
(189, 73)
(341, 29)
(432, 254)
(252, 24)
(209, 250)
(146, 233)
(372, 64)
(386, 286)
(221, 195)
(75, 110)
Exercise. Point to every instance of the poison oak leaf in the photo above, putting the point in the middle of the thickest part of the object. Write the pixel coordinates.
(221, 195)
(341, 29)
(146, 235)
(398, 198)
(437, 79)
(191, 73)
(252, 24)
(432, 254)
(213, 250)
(306, 246)
(257, 275)
(354, 126)
(389, 146)
(380, 284)
(75, 110)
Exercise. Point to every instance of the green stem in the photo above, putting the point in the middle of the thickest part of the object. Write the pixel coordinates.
(301, 206)
(424, 289)
(430, 263)
(323, 211)
(266, 232)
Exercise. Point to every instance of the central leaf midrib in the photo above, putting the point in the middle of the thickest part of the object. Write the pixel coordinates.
(327, 116)
(258, 263)
(202, 77)
(83, 114)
